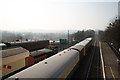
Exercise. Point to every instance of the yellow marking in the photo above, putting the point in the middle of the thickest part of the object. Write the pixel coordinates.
(112, 73)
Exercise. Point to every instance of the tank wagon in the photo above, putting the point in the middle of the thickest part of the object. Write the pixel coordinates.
(60, 65)
(30, 45)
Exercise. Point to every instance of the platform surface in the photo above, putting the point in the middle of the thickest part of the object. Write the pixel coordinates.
(112, 68)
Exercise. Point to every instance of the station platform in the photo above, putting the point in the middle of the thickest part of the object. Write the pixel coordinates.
(112, 67)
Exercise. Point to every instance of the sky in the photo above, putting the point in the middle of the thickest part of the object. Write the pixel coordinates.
(31, 15)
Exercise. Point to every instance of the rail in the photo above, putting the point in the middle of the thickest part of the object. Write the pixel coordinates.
(91, 60)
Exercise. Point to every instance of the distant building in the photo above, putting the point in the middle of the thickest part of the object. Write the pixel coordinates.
(119, 9)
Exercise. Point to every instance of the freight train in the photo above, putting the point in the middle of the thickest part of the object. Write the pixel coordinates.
(16, 59)
(29, 45)
(60, 65)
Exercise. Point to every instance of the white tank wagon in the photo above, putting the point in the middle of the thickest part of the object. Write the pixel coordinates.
(60, 65)
(12, 60)
(57, 66)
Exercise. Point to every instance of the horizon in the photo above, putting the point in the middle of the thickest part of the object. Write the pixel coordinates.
(56, 15)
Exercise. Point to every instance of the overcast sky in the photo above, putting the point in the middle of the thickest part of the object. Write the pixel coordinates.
(56, 14)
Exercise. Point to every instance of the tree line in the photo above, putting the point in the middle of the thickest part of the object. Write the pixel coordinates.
(112, 33)
(80, 35)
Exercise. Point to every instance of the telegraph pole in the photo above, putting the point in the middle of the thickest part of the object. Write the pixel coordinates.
(68, 37)
(119, 10)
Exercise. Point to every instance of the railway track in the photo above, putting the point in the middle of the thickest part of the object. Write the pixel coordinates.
(94, 66)
(89, 66)
(91, 63)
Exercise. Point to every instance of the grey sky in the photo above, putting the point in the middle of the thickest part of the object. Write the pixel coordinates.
(56, 14)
